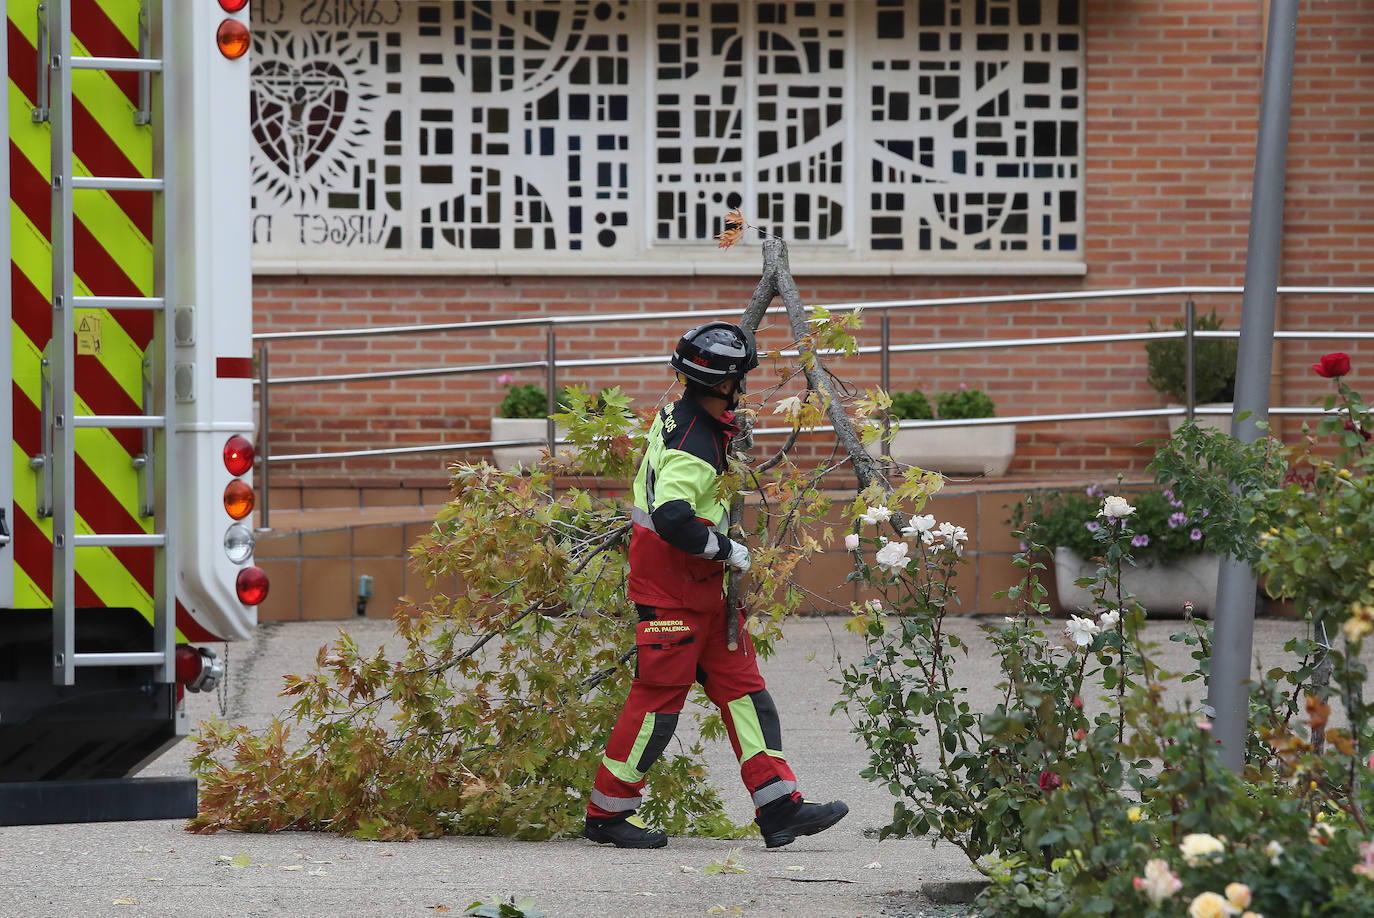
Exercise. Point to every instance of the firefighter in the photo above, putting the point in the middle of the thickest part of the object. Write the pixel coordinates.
(678, 553)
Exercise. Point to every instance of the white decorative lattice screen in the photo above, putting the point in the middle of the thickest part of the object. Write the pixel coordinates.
(592, 135)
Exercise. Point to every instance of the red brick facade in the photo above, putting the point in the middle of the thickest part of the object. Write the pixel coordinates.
(1173, 98)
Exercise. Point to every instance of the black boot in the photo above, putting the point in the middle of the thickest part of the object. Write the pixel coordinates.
(783, 820)
(623, 832)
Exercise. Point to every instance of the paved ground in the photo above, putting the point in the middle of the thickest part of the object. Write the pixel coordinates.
(157, 869)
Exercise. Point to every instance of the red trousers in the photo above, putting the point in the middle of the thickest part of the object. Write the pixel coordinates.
(678, 647)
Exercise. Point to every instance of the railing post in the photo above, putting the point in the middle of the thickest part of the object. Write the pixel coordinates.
(885, 378)
(263, 445)
(1189, 356)
(551, 356)
(887, 351)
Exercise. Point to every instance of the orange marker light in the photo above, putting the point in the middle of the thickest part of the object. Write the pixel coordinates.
(232, 38)
(238, 499)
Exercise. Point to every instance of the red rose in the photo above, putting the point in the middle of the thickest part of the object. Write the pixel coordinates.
(1049, 781)
(1332, 365)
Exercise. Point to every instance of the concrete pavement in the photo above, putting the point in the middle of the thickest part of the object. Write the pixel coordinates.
(157, 869)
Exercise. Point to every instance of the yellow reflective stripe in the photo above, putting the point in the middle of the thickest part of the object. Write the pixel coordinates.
(96, 446)
(98, 566)
(97, 211)
(113, 111)
(32, 253)
(27, 595)
(124, 15)
(748, 730)
(624, 770)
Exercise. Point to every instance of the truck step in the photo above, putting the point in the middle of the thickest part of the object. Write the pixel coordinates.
(35, 803)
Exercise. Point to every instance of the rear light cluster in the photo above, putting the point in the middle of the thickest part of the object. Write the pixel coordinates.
(198, 668)
(251, 583)
(232, 35)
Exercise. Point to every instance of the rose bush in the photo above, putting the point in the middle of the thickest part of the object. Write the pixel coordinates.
(1130, 812)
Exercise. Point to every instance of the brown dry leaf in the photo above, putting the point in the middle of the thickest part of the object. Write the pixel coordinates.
(441, 908)
(734, 229)
(1319, 711)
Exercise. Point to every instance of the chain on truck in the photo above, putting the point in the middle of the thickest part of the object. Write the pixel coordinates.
(125, 517)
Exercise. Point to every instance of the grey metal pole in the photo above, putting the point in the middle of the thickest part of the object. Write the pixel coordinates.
(1229, 691)
(264, 442)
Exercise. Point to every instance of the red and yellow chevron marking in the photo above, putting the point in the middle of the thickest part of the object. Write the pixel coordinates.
(113, 256)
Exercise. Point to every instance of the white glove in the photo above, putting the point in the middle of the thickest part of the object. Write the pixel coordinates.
(739, 556)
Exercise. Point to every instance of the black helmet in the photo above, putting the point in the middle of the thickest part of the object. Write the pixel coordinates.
(712, 353)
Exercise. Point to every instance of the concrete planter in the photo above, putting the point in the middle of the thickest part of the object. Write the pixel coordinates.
(508, 457)
(979, 449)
(1160, 588)
(1221, 422)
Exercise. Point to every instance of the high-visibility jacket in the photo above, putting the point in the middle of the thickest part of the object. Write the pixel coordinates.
(679, 541)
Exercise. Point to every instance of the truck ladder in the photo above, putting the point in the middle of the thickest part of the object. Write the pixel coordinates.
(59, 466)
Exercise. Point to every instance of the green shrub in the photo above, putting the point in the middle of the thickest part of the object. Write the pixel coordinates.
(911, 406)
(1163, 529)
(529, 401)
(964, 404)
(1214, 363)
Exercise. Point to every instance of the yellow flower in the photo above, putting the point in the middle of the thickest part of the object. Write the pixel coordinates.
(1200, 849)
(1355, 629)
(1251, 915)
(1344, 473)
(1209, 905)
(1133, 814)
(1238, 894)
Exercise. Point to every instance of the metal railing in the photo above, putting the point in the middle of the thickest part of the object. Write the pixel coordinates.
(551, 364)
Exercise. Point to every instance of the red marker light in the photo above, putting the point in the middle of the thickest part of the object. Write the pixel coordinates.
(189, 664)
(238, 455)
(251, 585)
(232, 6)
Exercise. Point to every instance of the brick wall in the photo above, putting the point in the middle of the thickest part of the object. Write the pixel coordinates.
(1173, 97)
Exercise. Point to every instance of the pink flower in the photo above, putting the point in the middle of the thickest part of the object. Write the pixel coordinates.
(505, 379)
(1159, 882)
(1049, 781)
(1366, 865)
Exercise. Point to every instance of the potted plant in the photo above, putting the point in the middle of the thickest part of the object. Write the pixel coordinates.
(1214, 371)
(522, 415)
(975, 449)
(1173, 562)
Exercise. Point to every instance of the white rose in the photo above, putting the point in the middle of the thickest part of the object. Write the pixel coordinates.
(878, 514)
(892, 556)
(851, 542)
(1081, 630)
(1115, 508)
(920, 524)
(1109, 619)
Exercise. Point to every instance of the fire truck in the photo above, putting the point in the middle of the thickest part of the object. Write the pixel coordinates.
(126, 491)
